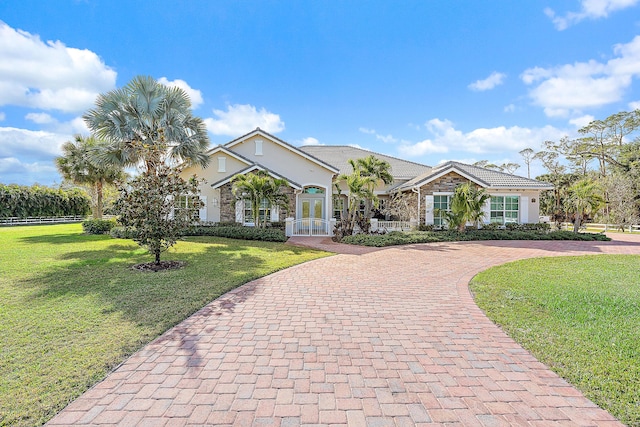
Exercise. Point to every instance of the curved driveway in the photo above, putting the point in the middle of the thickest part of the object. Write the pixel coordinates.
(366, 338)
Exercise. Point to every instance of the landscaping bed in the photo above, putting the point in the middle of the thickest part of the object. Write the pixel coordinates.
(411, 237)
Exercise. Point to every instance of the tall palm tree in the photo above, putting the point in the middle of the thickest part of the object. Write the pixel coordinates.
(374, 167)
(259, 188)
(585, 196)
(360, 188)
(78, 165)
(148, 123)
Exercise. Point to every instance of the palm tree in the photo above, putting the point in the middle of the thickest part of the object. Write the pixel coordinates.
(376, 168)
(360, 188)
(260, 188)
(148, 122)
(78, 165)
(467, 204)
(584, 198)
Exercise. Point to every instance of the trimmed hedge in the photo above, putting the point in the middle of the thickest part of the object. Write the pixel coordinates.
(224, 230)
(22, 201)
(98, 226)
(239, 232)
(401, 238)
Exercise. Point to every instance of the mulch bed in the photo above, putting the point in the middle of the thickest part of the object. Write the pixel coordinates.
(164, 265)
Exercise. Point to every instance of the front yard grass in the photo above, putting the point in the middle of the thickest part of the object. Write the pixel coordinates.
(72, 309)
(578, 315)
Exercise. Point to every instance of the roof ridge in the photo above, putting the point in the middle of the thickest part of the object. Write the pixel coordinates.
(370, 151)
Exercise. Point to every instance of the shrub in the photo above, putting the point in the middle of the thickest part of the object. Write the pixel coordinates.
(239, 232)
(400, 238)
(98, 226)
(122, 232)
(426, 227)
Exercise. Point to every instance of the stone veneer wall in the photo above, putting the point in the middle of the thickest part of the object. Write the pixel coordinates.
(444, 184)
(227, 204)
(228, 209)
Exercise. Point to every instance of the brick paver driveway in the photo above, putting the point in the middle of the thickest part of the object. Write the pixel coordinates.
(367, 338)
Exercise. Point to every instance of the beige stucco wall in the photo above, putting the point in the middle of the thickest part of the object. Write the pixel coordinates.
(285, 162)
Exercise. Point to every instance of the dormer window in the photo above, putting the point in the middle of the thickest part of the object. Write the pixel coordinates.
(258, 147)
(222, 164)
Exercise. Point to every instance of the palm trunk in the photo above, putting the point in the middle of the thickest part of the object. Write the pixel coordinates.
(576, 223)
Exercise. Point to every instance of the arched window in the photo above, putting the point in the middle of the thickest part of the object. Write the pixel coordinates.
(313, 190)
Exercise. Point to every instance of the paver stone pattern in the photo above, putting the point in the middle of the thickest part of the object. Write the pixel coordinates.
(366, 338)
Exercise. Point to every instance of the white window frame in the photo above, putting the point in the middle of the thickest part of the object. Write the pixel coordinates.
(437, 217)
(504, 210)
(222, 164)
(258, 147)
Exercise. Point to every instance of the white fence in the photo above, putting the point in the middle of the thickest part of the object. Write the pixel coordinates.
(40, 220)
(309, 227)
(592, 227)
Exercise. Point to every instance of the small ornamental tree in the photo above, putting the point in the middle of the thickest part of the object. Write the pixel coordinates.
(150, 206)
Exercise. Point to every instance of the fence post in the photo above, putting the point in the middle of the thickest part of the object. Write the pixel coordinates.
(288, 226)
(332, 226)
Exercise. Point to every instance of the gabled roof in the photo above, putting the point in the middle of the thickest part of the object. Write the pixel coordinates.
(486, 178)
(338, 156)
(258, 131)
(252, 168)
(221, 148)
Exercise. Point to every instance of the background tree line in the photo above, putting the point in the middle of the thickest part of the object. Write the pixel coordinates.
(596, 174)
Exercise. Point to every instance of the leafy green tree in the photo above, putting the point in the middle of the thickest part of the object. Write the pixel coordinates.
(259, 188)
(78, 165)
(585, 197)
(149, 205)
(148, 124)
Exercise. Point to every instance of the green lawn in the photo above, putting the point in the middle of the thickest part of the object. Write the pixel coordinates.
(578, 315)
(71, 308)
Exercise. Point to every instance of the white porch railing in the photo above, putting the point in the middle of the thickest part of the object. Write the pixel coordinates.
(392, 225)
(603, 227)
(309, 227)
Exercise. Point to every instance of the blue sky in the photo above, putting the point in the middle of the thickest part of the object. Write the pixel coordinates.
(427, 81)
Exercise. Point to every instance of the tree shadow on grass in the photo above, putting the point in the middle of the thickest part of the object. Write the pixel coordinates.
(64, 238)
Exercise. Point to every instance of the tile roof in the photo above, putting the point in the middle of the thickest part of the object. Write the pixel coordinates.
(486, 177)
(338, 156)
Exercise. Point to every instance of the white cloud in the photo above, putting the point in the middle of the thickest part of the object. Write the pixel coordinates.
(243, 118)
(510, 108)
(368, 131)
(194, 94)
(14, 171)
(37, 145)
(495, 79)
(635, 105)
(591, 9)
(567, 89)
(310, 141)
(447, 138)
(580, 122)
(49, 76)
(40, 118)
(387, 139)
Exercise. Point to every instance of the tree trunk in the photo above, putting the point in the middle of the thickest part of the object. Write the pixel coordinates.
(576, 223)
(157, 253)
(98, 210)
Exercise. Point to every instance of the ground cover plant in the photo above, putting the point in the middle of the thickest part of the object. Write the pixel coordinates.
(71, 308)
(578, 315)
(404, 238)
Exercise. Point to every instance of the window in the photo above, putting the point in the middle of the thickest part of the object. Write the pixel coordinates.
(258, 147)
(264, 211)
(504, 209)
(222, 164)
(313, 190)
(185, 204)
(338, 207)
(441, 203)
